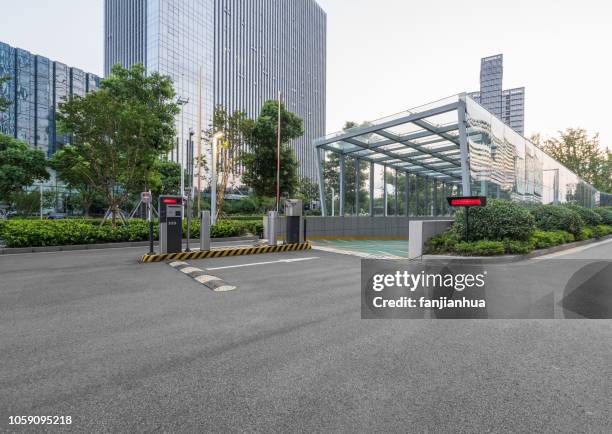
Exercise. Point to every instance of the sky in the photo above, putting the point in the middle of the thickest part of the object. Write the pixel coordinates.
(386, 56)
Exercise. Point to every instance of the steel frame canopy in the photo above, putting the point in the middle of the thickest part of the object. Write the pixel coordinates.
(429, 141)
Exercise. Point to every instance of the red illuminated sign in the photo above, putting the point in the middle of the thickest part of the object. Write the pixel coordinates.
(170, 200)
(467, 201)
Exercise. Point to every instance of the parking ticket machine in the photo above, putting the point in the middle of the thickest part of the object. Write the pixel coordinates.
(295, 221)
(170, 224)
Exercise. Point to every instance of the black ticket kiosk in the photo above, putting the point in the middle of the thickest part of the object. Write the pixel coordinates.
(170, 224)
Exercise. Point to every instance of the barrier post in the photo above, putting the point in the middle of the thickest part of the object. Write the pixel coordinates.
(272, 227)
(204, 231)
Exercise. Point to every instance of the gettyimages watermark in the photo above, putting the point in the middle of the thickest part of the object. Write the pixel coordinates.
(458, 289)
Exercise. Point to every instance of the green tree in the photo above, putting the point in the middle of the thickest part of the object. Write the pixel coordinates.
(20, 166)
(603, 179)
(4, 103)
(76, 173)
(308, 190)
(259, 160)
(121, 130)
(576, 151)
(166, 178)
(332, 177)
(229, 146)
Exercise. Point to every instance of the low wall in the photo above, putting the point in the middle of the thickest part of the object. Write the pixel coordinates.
(392, 227)
(420, 231)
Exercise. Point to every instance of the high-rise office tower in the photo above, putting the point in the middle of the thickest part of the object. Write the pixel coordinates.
(35, 89)
(247, 50)
(508, 105)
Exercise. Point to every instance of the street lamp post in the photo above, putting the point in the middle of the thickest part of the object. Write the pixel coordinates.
(189, 184)
(182, 101)
(213, 180)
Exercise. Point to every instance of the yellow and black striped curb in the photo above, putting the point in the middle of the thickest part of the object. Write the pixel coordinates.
(211, 282)
(218, 253)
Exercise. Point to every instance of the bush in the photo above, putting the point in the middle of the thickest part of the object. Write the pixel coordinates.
(545, 239)
(514, 247)
(605, 214)
(480, 248)
(499, 220)
(601, 231)
(555, 217)
(38, 233)
(588, 216)
(442, 243)
(586, 233)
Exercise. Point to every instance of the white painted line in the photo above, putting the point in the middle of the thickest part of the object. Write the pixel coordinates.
(355, 253)
(177, 264)
(205, 279)
(188, 270)
(224, 288)
(574, 250)
(252, 264)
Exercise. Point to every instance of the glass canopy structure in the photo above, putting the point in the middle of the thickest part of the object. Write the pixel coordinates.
(408, 163)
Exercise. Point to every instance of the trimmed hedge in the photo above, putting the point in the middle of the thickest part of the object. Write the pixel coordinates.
(479, 248)
(499, 220)
(588, 216)
(38, 233)
(450, 243)
(605, 214)
(545, 239)
(555, 217)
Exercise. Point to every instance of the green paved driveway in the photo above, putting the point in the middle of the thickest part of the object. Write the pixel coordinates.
(374, 247)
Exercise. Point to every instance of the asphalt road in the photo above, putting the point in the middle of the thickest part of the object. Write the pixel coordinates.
(125, 347)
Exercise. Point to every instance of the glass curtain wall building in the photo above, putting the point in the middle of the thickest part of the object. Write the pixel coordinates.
(508, 105)
(411, 161)
(36, 88)
(248, 51)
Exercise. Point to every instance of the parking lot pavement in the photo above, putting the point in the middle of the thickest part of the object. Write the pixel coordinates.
(122, 346)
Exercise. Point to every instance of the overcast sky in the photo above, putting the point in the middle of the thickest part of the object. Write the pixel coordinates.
(386, 56)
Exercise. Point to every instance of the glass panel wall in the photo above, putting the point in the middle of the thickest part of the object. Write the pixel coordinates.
(401, 192)
(506, 165)
(391, 190)
(364, 188)
(379, 175)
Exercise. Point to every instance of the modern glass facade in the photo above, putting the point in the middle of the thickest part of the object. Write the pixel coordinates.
(248, 51)
(508, 105)
(449, 147)
(35, 90)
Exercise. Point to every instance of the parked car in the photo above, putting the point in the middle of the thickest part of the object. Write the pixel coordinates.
(57, 215)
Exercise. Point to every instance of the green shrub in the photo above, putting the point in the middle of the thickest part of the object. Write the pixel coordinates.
(601, 231)
(499, 220)
(514, 247)
(444, 242)
(605, 214)
(586, 233)
(544, 239)
(555, 217)
(38, 233)
(480, 248)
(588, 216)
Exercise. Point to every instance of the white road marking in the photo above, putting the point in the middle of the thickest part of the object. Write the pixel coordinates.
(224, 288)
(252, 264)
(355, 253)
(574, 250)
(205, 279)
(177, 264)
(188, 270)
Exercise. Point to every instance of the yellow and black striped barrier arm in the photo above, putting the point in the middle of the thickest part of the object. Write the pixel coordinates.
(218, 253)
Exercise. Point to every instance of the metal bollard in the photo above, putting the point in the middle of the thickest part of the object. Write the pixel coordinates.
(272, 227)
(204, 231)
